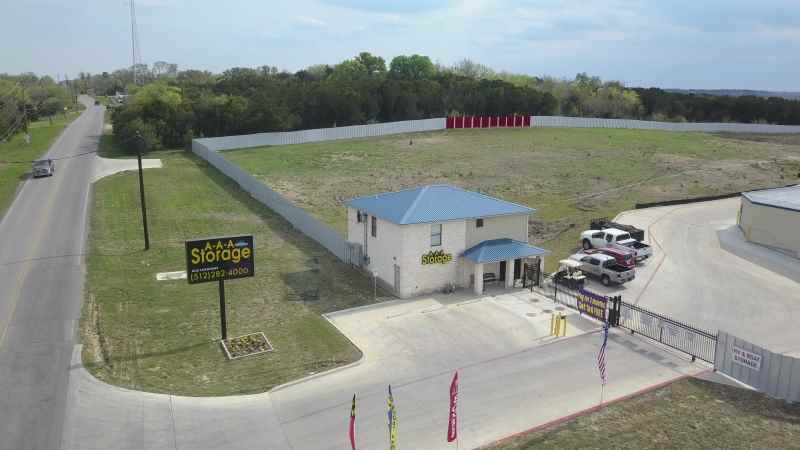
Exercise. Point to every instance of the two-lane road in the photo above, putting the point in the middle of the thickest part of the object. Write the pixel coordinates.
(41, 288)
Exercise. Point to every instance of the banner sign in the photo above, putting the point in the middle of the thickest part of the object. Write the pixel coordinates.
(452, 421)
(436, 257)
(222, 258)
(592, 304)
(748, 359)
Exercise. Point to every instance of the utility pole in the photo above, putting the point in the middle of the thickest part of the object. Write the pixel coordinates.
(139, 145)
(133, 41)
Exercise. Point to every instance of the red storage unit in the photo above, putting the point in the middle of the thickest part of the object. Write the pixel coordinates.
(467, 121)
(527, 121)
(493, 121)
(449, 123)
(485, 122)
(517, 121)
(458, 122)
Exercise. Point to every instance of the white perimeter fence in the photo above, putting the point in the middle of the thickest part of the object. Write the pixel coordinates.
(774, 374)
(710, 127)
(440, 123)
(321, 134)
(299, 218)
(207, 149)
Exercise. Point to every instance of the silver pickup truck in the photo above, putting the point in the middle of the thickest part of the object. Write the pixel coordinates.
(604, 267)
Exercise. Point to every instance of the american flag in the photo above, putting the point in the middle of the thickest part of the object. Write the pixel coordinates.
(601, 357)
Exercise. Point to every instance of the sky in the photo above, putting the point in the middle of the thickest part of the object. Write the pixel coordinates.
(700, 44)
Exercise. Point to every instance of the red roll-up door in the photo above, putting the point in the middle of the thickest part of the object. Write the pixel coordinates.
(449, 123)
(467, 121)
(458, 122)
(527, 122)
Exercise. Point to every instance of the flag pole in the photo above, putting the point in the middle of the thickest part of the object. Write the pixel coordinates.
(602, 388)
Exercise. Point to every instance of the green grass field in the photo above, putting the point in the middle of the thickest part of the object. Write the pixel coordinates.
(15, 155)
(688, 414)
(162, 336)
(568, 175)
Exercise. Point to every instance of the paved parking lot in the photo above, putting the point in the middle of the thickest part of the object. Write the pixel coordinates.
(703, 273)
(446, 331)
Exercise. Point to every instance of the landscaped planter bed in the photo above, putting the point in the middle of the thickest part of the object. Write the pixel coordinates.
(247, 345)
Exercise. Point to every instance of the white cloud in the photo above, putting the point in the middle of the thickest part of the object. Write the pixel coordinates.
(311, 22)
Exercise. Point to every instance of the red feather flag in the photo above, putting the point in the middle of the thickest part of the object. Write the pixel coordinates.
(353, 424)
(452, 423)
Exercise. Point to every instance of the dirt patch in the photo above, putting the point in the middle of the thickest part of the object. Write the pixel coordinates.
(92, 338)
(547, 230)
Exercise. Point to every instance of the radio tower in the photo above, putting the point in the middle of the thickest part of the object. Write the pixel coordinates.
(136, 58)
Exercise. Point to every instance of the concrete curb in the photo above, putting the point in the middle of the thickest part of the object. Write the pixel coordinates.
(358, 362)
(590, 410)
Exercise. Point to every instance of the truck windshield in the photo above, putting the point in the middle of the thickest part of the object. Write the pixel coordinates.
(40, 163)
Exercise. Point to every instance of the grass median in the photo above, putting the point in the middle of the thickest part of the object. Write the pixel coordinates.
(16, 156)
(688, 414)
(569, 175)
(163, 336)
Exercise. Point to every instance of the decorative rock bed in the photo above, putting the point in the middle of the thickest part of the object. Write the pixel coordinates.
(247, 345)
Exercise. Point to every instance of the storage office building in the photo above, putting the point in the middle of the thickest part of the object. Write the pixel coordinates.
(435, 237)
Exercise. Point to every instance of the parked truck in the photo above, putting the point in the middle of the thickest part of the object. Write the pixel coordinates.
(625, 256)
(605, 268)
(604, 223)
(612, 237)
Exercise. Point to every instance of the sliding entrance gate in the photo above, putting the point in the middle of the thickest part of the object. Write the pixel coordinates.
(693, 341)
(697, 343)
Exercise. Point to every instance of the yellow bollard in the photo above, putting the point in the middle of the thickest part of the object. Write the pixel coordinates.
(563, 327)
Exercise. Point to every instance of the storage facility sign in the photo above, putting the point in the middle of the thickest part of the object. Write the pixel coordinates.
(748, 359)
(592, 304)
(436, 257)
(216, 259)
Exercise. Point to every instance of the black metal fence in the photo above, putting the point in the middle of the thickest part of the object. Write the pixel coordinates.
(693, 341)
(678, 335)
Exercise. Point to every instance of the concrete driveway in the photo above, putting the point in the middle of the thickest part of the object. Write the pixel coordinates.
(445, 331)
(513, 377)
(705, 274)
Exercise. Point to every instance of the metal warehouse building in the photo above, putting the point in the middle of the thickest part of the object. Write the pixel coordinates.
(772, 217)
(425, 239)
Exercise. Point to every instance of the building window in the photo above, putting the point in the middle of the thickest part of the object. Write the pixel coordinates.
(358, 216)
(436, 235)
(374, 226)
(479, 223)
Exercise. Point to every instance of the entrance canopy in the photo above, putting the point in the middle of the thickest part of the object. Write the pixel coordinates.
(496, 250)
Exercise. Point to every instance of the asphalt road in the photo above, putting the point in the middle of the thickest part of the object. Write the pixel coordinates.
(696, 278)
(41, 289)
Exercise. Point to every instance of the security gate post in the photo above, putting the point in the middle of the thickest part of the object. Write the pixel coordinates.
(222, 319)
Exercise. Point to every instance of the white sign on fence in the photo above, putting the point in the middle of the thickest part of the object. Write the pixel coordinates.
(748, 359)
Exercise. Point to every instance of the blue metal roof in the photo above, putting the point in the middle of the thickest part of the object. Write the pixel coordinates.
(502, 250)
(785, 197)
(434, 203)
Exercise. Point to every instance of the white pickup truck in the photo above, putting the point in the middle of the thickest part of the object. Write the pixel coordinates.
(612, 237)
(604, 267)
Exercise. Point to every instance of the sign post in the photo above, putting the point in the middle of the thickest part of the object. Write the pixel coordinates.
(223, 321)
(219, 259)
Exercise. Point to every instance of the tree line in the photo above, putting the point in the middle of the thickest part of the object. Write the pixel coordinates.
(169, 107)
(26, 97)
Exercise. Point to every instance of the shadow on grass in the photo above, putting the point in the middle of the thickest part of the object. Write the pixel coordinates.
(143, 356)
(313, 251)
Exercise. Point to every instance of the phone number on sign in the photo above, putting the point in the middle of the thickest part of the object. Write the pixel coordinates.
(219, 274)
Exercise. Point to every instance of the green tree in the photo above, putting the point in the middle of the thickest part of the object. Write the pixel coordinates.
(414, 67)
